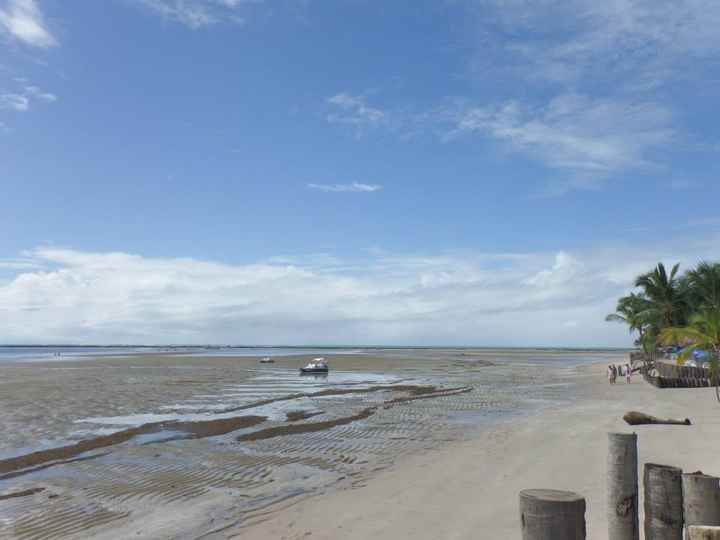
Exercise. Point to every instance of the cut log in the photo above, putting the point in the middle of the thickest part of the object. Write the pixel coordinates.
(663, 502)
(701, 499)
(622, 487)
(635, 418)
(548, 514)
(700, 532)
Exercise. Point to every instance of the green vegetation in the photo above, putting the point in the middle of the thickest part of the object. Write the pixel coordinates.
(675, 310)
(672, 309)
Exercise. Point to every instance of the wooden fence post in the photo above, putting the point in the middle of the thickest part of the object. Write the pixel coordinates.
(622, 487)
(663, 502)
(701, 499)
(548, 514)
(699, 532)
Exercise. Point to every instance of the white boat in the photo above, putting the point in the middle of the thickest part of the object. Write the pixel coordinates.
(267, 360)
(319, 365)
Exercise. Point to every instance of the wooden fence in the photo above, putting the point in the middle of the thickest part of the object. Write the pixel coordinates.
(666, 375)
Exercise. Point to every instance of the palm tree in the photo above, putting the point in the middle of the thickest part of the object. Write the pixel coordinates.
(635, 311)
(702, 332)
(666, 299)
(703, 286)
(630, 310)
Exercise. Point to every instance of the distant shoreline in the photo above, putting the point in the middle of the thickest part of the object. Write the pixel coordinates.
(310, 346)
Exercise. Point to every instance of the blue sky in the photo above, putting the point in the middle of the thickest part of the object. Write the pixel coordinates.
(437, 172)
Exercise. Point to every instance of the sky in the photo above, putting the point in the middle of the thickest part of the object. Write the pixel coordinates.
(435, 172)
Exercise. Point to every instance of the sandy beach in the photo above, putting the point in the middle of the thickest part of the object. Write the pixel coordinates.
(469, 490)
(426, 445)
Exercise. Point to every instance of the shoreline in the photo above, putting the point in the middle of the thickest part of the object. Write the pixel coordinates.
(469, 489)
(216, 508)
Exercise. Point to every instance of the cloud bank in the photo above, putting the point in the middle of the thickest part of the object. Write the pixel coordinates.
(64, 295)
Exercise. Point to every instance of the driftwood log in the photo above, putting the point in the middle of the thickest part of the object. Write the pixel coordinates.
(635, 418)
(622, 487)
(549, 514)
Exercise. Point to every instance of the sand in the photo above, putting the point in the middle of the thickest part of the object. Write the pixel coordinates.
(469, 489)
(417, 462)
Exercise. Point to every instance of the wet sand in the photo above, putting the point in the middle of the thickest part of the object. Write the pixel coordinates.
(214, 447)
(469, 489)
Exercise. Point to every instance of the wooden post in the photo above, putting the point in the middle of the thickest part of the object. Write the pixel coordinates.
(548, 514)
(701, 499)
(663, 502)
(699, 532)
(622, 487)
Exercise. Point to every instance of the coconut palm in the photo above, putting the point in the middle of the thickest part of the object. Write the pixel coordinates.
(635, 311)
(666, 299)
(703, 286)
(630, 310)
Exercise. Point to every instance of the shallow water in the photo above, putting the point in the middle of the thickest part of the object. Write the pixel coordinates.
(53, 404)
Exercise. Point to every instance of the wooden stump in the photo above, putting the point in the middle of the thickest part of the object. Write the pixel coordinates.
(701, 499)
(663, 502)
(548, 514)
(622, 487)
(699, 532)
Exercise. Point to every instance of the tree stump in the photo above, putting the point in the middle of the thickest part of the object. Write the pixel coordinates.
(701, 499)
(622, 487)
(663, 502)
(548, 514)
(699, 532)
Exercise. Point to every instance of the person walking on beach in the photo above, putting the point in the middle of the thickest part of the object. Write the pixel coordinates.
(628, 373)
(610, 374)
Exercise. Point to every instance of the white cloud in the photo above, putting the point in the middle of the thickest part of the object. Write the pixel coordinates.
(19, 264)
(566, 267)
(462, 298)
(22, 100)
(353, 110)
(198, 13)
(641, 43)
(23, 20)
(355, 187)
(37, 93)
(604, 61)
(588, 137)
(15, 102)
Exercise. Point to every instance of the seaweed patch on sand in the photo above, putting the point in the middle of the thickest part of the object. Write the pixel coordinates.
(24, 493)
(296, 416)
(414, 389)
(177, 429)
(414, 393)
(189, 430)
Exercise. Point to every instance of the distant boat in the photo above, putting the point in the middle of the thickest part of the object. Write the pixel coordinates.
(319, 365)
(267, 360)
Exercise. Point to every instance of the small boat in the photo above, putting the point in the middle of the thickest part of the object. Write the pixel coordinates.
(319, 365)
(267, 360)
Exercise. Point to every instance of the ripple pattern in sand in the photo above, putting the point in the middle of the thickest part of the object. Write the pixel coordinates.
(248, 478)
